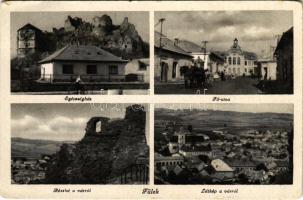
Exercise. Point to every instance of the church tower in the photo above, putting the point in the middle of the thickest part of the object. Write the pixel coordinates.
(181, 139)
(235, 43)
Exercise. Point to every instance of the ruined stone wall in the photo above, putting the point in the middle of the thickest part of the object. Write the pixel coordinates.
(91, 126)
(98, 158)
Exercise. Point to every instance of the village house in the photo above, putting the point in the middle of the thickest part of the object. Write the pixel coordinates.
(221, 170)
(239, 62)
(268, 68)
(91, 63)
(284, 57)
(170, 60)
(196, 151)
(198, 53)
(139, 69)
(210, 61)
(168, 160)
(241, 165)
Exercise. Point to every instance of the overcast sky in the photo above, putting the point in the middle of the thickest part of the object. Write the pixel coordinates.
(252, 108)
(47, 20)
(60, 122)
(255, 30)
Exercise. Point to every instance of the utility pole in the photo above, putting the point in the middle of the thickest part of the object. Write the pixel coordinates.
(161, 21)
(262, 53)
(204, 46)
(160, 41)
(272, 51)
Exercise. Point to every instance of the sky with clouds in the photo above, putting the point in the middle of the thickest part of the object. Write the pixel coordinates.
(255, 30)
(47, 20)
(60, 122)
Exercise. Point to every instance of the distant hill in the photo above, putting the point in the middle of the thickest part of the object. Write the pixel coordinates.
(210, 119)
(21, 147)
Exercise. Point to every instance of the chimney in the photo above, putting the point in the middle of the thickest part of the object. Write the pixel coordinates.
(176, 41)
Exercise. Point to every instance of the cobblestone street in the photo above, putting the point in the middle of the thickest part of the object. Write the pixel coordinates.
(241, 85)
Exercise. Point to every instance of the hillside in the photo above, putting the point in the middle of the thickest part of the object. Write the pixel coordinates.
(123, 39)
(21, 147)
(210, 119)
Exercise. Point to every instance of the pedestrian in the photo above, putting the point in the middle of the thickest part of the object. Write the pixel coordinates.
(265, 76)
(222, 75)
(199, 76)
(203, 76)
(186, 77)
(78, 84)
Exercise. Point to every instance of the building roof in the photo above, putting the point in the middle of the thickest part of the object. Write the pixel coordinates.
(265, 60)
(216, 57)
(189, 46)
(82, 53)
(29, 26)
(159, 157)
(168, 45)
(145, 61)
(221, 53)
(220, 166)
(196, 149)
(287, 38)
(240, 163)
(249, 55)
(189, 138)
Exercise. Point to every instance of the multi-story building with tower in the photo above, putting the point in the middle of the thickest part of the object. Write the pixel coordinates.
(29, 40)
(239, 62)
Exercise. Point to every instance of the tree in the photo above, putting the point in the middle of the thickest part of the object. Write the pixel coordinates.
(261, 166)
(243, 179)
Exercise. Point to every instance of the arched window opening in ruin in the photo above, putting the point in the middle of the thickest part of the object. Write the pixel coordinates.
(99, 127)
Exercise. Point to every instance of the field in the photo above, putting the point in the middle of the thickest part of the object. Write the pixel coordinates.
(208, 120)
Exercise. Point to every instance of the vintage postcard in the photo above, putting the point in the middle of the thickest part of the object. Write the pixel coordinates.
(151, 100)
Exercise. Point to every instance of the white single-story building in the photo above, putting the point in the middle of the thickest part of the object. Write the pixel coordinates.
(139, 67)
(169, 60)
(221, 170)
(268, 69)
(91, 63)
(210, 61)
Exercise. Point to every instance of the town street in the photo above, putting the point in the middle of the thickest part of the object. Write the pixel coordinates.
(240, 85)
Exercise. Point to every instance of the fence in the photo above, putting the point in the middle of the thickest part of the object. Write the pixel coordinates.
(93, 78)
(137, 173)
